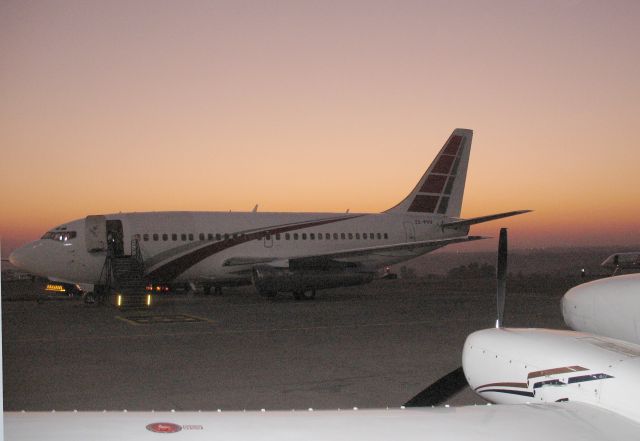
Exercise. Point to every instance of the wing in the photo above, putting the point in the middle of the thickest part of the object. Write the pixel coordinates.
(569, 421)
(351, 257)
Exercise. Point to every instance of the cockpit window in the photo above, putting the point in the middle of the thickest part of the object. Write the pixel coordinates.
(62, 236)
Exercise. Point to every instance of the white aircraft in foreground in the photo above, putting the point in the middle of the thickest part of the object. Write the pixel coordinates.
(277, 252)
(554, 385)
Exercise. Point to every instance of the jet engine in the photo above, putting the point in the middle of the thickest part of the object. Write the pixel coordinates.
(269, 280)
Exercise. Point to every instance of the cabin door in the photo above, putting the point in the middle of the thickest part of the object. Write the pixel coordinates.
(268, 240)
(95, 233)
(115, 238)
(410, 231)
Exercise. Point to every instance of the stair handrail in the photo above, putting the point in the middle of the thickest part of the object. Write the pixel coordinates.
(107, 272)
(136, 252)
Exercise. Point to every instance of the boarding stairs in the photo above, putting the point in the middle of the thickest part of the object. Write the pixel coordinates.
(125, 279)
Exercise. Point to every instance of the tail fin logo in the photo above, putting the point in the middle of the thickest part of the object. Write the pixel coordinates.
(434, 193)
(441, 188)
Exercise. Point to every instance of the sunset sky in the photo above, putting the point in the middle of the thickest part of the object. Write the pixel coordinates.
(110, 106)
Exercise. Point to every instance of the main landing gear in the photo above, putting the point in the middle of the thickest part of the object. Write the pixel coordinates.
(309, 294)
(305, 295)
(217, 290)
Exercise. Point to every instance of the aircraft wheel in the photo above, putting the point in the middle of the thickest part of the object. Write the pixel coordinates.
(268, 294)
(308, 295)
(89, 298)
(305, 295)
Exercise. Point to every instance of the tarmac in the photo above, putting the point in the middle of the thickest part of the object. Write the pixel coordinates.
(371, 346)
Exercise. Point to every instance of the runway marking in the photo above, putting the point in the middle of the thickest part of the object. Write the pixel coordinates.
(229, 331)
(155, 319)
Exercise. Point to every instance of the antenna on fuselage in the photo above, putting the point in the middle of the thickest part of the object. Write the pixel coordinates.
(501, 276)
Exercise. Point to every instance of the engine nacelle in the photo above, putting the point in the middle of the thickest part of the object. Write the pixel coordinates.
(605, 307)
(268, 279)
(514, 366)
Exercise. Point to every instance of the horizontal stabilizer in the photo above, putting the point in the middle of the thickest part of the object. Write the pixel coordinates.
(481, 219)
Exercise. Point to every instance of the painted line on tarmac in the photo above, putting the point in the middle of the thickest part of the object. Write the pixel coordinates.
(222, 332)
(161, 319)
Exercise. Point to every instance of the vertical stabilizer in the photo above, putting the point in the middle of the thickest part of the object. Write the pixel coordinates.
(441, 188)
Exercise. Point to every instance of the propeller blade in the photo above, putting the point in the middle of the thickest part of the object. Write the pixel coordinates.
(440, 391)
(501, 275)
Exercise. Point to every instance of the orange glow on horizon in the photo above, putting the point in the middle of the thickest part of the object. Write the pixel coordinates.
(322, 108)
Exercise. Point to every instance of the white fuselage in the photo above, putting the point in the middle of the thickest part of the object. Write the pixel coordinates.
(515, 366)
(164, 235)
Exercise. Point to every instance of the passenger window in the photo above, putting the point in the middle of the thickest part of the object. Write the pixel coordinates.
(226, 236)
(304, 236)
(165, 236)
(350, 235)
(277, 236)
(218, 236)
(335, 236)
(379, 236)
(312, 236)
(190, 236)
(183, 236)
(145, 237)
(155, 236)
(295, 236)
(364, 235)
(342, 236)
(386, 236)
(210, 236)
(174, 236)
(319, 236)
(287, 236)
(327, 236)
(371, 236)
(201, 236)
(357, 235)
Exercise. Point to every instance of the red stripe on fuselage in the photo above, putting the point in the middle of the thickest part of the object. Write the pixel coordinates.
(172, 269)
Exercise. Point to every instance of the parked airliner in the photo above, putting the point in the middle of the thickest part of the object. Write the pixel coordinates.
(277, 252)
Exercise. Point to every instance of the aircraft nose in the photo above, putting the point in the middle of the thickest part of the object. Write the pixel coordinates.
(20, 258)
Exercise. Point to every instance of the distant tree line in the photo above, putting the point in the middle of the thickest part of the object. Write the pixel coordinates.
(473, 270)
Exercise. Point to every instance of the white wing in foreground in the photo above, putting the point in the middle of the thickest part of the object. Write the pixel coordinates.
(562, 421)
